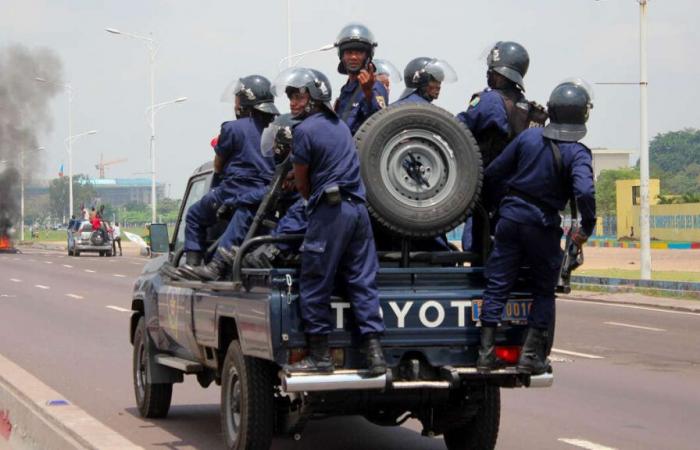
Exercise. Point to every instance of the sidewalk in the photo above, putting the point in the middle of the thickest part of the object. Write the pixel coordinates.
(633, 298)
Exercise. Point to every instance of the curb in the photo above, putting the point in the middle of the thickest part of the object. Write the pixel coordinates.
(633, 303)
(34, 416)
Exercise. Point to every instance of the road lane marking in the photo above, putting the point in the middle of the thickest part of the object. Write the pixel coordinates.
(639, 327)
(48, 262)
(90, 271)
(615, 305)
(585, 444)
(15, 280)
(117, 308)
(41, 286)
(79, 297)
(118, 275)
(68, 266)
(582, 355)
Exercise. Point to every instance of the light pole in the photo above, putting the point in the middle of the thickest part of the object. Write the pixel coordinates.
(153, 109)
(69, 145)
(645, 231)
(21, 188)
(289, 58)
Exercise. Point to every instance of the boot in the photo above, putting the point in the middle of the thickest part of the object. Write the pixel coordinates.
(533, 359)
(319, 358)
(487, 352)
(213, 271)
(193, 259)
(375, 356)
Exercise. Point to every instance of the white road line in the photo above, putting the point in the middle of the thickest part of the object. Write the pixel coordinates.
(118, 275)
(68, 266)
(48, 262)
(117, 308)
(582, 355)
(585, 444)
(639, 327)
(79, 297)
(15, 280)
(41, 286)
(615, 305)
(90, 271)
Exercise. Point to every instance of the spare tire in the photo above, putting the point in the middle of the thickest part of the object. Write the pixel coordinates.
(421, 168)
(97, 238)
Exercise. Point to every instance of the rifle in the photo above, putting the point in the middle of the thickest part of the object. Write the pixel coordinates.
(270, 200)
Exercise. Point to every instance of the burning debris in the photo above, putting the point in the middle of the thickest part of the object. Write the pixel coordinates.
(24, 115)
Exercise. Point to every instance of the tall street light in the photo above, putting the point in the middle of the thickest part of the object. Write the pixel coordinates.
(153, 110)
(21, 188)
(69, 145)
(645, 229)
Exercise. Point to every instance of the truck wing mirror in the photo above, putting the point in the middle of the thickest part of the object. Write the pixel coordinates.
(160, 243)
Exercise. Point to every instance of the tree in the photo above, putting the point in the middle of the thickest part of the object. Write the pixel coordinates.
(674, 158)
(605, 193)
(83, 194)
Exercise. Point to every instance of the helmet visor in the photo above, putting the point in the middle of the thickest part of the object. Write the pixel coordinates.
(441, 70)
(295, 77)
(384, 67)
(267, 140)
(233, 88)
(583, 84)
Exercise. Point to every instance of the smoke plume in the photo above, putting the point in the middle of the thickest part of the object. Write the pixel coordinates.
(24, 118)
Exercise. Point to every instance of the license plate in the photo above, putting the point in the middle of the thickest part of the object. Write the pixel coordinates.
(515, 310)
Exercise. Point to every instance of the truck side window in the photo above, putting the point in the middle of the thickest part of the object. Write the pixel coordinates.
(196, 191)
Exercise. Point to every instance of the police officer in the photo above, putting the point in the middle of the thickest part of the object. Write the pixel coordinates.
(244, 172)
(386, 73)
(496, 115)
(338, 244)
(362, 95)
(423, 78)
(540, 170)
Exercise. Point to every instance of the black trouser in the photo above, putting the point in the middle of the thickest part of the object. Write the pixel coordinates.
(117, 241)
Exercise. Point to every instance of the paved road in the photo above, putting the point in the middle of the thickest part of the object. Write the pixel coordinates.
(626, 377)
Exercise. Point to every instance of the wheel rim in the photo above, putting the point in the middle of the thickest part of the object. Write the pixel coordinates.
(233, 408)
(141, 372)
(418, 168)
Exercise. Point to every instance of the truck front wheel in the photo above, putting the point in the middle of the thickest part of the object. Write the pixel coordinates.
(481, 432)
(152, 400)
(247, 404)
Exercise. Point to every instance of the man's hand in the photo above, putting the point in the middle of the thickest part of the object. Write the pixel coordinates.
(579, 237)
(288, 183)
(366, 79)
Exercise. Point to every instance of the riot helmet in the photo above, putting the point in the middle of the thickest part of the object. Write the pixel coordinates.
(568, 108)
(354, 36)
(305, 80)
(420, 71)
(276, 139)
(509, 59)
(386, 73)
(253, 91)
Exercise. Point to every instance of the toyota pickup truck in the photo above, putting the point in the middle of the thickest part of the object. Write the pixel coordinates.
(240, 333)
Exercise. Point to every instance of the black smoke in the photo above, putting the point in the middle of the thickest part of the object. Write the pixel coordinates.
(24, 119)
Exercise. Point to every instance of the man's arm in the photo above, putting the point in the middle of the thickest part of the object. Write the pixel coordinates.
(223, 149)
(301, 178)
(219, 163)
(584, 188)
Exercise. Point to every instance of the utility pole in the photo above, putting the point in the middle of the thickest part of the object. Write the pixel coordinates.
(644, 219)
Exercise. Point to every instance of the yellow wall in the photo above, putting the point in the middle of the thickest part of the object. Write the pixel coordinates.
(627, 220)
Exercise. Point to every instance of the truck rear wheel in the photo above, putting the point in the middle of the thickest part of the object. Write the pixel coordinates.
(481, 432)
(247, 404)
(152, 400)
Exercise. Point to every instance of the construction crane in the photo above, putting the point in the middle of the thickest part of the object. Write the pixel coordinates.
(102, 164)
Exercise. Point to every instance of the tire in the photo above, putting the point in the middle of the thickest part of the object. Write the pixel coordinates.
(481, 432)
(443, 153)
(76, 253)
(101, 253)
(247, 408)
(96, 238)
(152, 400)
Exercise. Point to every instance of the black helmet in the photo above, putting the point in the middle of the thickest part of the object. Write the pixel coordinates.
(254, 91)
(354, 36)
(276, 139)
(568, 108)
(509, 59)
(421, 70)
(315, 82)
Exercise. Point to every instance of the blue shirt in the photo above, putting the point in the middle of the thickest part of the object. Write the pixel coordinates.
(527, 165)
(239, 146)
(352, 106)
(325, 144)
(414, 97)
(486, 110)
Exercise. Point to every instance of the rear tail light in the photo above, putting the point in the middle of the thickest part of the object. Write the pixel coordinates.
(509, 354)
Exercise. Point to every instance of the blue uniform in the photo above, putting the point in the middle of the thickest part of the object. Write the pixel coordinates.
(413, 97)
(294, 221)
(528, 234)
(352, 106)
(338, 244)
(246, 172)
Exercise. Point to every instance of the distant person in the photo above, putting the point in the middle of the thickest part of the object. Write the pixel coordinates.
(84, 214)
(386, 72)
(423, 78)
(116, 239)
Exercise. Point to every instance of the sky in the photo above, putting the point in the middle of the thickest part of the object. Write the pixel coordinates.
(204, 45)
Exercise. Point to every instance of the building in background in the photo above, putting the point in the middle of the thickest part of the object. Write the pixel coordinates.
(608, 158)
(110, 191)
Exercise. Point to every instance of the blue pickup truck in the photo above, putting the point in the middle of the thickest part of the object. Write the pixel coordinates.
(241, 332)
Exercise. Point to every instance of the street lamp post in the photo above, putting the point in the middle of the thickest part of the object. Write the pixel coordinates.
(644, 219)
(69, 144)
(21, 188)
(290, 58)
(152, 110)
